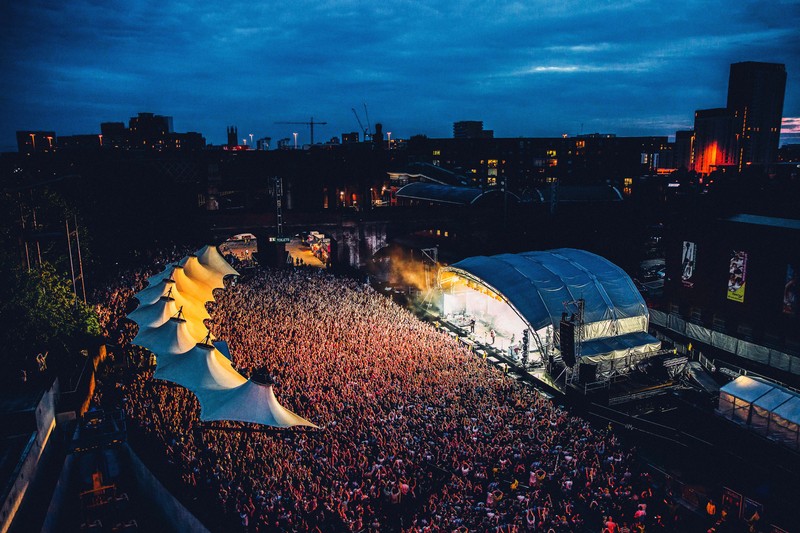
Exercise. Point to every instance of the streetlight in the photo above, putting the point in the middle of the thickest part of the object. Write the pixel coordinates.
(244, 142)
(389, 135)
(295, 140)
(33, 141)
(251, 138)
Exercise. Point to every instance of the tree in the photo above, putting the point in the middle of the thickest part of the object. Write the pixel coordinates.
(39, 313)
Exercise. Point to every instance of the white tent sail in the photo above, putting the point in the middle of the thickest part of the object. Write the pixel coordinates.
(202, 369)
(192, 310)
(190, 288)
(201, 273)
(155, 314)
(171, 337)
(250, 402)
(209, 256)
(155, 279)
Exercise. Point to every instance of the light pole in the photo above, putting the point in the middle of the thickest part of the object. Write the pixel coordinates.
(295, 140)
(389, 142)
(33, 141)
(251, 138)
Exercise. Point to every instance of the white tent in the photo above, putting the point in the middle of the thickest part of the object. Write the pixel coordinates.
(155, 279)
(761, 412)
(192, 310)
(736, 398)
(767, 408)
(250, 402)
(192, 289)
(785, 423)
(181, 346)
(171, 337)
(202, 369)
(209, 256)
(201, 273)
(155, 314)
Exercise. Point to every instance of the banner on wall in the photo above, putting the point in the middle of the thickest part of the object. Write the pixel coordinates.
(688, 259)
(791, 289)
(737, 276)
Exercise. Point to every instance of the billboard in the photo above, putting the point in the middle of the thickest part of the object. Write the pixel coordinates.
(737, 278)
(688, 259)
(790, 290)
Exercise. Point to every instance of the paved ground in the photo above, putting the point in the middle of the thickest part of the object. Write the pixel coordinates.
(297, 250)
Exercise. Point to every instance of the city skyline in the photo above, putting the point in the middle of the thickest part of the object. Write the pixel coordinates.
(524, 70)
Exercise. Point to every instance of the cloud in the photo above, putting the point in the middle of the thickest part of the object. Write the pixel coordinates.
(526, 68)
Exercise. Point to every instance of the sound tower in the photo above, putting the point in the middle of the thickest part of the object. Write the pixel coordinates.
(567, 336)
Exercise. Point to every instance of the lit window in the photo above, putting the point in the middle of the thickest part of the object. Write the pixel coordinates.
(437, 152)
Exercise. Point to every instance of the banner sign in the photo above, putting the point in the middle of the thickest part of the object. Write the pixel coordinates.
(737, 276)
(688, 258)
(790, 290)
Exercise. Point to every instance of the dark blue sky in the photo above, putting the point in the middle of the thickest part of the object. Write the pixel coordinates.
(528, 68)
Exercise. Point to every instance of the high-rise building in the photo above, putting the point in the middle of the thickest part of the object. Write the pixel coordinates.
(714, 139)
(471, 129)
(684, 142)
(755, 95)
(149, 131)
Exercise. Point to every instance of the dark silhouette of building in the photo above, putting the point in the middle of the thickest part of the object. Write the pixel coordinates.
(233, 136)
(471, 129)
(113, 135)
(684, 144)
(83, 142)
(714, 139)
(29, 142)
(755, 94)
(147, 130)
(351, 137)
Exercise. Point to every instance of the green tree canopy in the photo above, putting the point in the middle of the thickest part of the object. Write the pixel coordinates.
(39, 311)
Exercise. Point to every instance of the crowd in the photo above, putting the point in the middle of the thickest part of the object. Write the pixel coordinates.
(416, 433)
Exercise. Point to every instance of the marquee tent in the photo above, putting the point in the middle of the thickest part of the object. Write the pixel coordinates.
(191, 288)
(210, 257)
(764, 407)
(201, 369)
(250, 402)
(192, 309)
(170, 318)
(170, 338)
(154, 315)
(201, 273)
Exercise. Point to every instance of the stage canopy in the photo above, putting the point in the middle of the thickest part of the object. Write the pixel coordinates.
(763, 406)
(446, 194)
(537, 285)
(171, 316)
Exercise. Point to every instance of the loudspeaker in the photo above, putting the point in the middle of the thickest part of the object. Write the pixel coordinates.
(587, 373)
(567, 336)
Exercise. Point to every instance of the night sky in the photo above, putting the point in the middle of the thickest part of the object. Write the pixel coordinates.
(530, 68)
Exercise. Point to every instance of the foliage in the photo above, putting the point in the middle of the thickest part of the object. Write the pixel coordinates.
(39, 312)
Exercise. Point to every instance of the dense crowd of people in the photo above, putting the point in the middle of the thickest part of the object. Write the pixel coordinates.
(416, 433)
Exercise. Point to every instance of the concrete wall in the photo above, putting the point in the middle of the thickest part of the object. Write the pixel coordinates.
(28, 462)
(176, 517)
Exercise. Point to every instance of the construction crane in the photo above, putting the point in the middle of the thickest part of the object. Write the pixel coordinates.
(360, 125)
(365, 131)
(310, 124)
